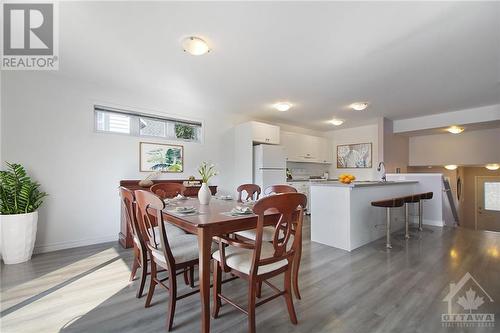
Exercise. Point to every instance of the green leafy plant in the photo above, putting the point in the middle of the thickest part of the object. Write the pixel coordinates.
(206, 171)
(185, 132)
(18, 193)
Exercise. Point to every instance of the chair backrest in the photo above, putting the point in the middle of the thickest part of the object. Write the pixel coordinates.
(252, 192)
(278, 189)
(168, 190)
(149, 204)
(290, 207)
(128, 206)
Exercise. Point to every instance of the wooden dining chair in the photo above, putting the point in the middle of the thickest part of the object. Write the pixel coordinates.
(258, 261)
(173, 253)
(277, 189)
(168, 190)
(140, 251)
(252, 192)
(268, 236)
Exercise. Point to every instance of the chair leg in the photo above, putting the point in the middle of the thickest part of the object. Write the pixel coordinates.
(252, 289)
(388, 230)
(288, 296)
(172, 290)
(258, 290)
(144, 274)
(135, 264)
(191, 276)
(420, 215)
(295, 267)
(407, 221)
(152, 284)
(186, 276)
(217, 289)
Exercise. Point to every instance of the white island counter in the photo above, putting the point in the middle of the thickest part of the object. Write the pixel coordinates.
(342, 215)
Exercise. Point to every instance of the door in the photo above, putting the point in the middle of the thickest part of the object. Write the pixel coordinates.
(273, 157)
(272, 177)
(488, 203)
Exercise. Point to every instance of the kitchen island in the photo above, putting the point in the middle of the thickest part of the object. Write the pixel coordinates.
(342, 215)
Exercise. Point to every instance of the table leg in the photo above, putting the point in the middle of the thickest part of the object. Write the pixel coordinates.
(205, 255)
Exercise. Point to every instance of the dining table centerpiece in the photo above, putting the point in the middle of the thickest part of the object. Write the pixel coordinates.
(206, 172)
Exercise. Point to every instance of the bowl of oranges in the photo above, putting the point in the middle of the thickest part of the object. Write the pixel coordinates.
(346, 178)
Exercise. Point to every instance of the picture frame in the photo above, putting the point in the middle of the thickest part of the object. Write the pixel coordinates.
(161, 157)
(355, 156)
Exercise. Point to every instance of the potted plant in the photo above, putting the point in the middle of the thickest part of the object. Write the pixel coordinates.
(206, 172)
(20, 198)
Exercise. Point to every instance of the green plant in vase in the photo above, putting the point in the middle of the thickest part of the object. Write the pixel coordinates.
(206, 172)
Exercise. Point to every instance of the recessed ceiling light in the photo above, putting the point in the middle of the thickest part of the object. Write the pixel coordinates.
(282, 106)
(451, 167)
(195, 46)
(336, 122)
(493, 166)
(359, 106)
(455, 129)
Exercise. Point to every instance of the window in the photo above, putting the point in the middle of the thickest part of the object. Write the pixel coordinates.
(492, 196)
(112, 120)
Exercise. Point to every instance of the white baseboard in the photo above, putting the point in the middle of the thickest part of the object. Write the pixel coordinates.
(436, 223)
(76, 243)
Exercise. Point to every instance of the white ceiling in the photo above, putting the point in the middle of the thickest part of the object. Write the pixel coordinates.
(406, 59)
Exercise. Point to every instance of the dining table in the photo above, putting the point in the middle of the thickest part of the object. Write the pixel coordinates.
(207, 221)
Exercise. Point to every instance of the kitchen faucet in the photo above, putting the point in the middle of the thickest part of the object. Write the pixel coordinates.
(380, 165)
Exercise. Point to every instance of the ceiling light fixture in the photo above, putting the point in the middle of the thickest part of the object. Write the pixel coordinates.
(282, 106)
(455, 129)
(493, 167)
(359, 106)
(195, 46)
(451, 167)
(336, 122)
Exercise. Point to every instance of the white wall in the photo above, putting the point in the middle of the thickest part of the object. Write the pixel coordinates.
(469, 148)
(47, 125)
(362, 134)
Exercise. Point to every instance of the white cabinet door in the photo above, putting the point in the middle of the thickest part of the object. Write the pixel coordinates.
(326, 153)
(265, 133)
(291, 142)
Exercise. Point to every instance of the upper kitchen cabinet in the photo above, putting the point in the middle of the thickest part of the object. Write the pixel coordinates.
(306, 148)
(264, 133)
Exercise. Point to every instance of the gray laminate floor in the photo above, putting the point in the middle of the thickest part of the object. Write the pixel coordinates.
(368, 290)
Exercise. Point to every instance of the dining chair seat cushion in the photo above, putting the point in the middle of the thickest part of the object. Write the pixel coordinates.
(172, 231)
(267, 233)
(241, 259)
(184, 248)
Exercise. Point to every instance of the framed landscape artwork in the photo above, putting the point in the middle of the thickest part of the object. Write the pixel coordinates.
(357, 155)
(161, 157)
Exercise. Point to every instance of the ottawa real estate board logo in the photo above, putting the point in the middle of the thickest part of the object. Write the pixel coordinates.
(468, 305)
(30, 36)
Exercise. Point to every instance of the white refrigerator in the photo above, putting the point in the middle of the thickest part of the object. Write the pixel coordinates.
(269, 164)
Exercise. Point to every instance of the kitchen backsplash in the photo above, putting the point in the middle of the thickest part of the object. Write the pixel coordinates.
(305, 170)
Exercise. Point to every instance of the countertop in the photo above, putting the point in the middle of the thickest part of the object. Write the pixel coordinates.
(360, 183)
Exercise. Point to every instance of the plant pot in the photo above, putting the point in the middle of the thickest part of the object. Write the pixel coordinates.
(204, 194)
(18, 237)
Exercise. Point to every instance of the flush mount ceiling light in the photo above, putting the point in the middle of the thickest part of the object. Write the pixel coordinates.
(336, 122)
(451, 167)
(493, 167)
(195, 46)
(359, 106)
(455, 129)
(282, 106)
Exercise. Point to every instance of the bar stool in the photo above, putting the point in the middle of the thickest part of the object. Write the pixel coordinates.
(388, 204)
(422, 197)
(415, 198)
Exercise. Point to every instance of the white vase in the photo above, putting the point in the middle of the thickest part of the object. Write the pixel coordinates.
(18, 237)
(204, 194)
